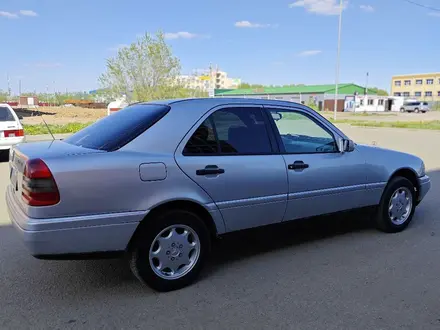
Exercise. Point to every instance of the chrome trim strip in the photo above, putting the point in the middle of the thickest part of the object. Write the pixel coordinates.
(376, 185)
(252, 201)
(328, 191)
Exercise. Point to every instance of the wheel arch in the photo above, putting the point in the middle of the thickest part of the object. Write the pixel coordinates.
(409, 174)
(180, 204)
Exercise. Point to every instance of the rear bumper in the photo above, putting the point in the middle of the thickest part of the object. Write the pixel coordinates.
(73, 235)
(424, 186)
(7, 143)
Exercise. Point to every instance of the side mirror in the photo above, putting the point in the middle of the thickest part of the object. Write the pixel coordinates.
(20, 117)
(345, 145)
(350, 146)
(276, 116)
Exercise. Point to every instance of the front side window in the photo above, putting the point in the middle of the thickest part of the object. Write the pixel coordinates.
(301, 134)
(232, 131)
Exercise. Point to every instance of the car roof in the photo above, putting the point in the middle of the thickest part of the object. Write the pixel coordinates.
(217, 101)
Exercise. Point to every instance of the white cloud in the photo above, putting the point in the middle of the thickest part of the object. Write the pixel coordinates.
(181, 34)
(247, 24)
(435, 14)
(367, 8)
(28, 13)
(320, 7)
(310, 53)
(8, 14)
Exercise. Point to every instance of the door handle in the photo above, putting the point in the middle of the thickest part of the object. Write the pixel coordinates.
(210, 169)
(298, 165)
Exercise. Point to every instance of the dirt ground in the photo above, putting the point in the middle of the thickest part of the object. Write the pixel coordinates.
(60, 115)
(65, 115)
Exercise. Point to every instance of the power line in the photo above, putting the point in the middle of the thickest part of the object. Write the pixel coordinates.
(422, 5)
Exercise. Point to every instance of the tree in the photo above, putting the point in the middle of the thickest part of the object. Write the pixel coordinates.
(380, 92)
(144, 71)
(245, 85)
(3, 96)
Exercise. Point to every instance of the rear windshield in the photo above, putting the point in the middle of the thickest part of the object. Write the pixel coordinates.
(116, 130)
(6, 114)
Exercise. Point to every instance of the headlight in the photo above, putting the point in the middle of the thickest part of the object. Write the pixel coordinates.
(422, 170)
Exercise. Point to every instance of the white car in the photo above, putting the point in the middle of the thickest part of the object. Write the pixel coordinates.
(11, 130)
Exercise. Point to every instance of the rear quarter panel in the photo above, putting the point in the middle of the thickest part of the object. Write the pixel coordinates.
(105, 183)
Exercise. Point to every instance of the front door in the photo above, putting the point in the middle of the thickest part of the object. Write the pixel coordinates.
(229, 154)
(321, 179)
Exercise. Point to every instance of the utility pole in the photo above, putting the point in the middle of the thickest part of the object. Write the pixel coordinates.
(338, 59)
(366, 85)
(9, 84)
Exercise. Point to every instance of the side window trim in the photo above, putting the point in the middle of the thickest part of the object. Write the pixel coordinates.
(299, 111)
(208, 116)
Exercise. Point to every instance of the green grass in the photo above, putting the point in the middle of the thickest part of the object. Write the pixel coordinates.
(56, 129)
(431, 124)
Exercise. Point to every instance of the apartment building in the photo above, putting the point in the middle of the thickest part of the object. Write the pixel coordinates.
(210, 79)
(424, 86)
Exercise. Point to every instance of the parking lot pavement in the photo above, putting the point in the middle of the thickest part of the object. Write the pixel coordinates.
(386, 116)
(326, 273)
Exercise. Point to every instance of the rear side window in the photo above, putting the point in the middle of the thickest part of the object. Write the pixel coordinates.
(233, 131)
(116, 130)
(6, 114)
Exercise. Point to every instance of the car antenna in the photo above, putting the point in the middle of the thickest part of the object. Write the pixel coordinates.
(47, 126)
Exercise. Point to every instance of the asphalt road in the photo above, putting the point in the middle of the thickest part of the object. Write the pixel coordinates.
(328, 273)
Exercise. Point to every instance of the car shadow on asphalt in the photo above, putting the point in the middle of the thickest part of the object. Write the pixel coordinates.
(246, 244)
(100, 275)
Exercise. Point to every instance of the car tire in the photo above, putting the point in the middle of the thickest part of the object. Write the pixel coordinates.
(182, 236)
(402, 109)
(416, 110)
(423, 111)
(397, 206)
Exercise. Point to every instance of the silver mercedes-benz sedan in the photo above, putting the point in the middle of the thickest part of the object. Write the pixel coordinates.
(160, 180)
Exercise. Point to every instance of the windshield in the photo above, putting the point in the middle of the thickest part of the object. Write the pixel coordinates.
(116, 130)
(6, 114)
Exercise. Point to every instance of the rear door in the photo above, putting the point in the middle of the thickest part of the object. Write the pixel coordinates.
(230, 154)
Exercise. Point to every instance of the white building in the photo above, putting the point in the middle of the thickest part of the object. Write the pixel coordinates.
(209, 80)
(373, 103)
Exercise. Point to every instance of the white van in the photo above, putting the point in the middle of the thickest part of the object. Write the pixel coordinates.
(11, 130)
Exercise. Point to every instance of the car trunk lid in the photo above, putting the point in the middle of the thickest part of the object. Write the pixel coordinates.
(21, 153)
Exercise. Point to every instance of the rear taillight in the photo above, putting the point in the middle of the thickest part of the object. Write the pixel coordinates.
(14, 132)
(39, 187)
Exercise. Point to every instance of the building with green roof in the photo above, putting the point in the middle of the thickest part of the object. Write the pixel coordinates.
(320, 95)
